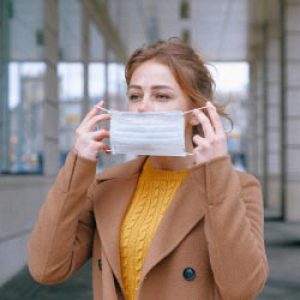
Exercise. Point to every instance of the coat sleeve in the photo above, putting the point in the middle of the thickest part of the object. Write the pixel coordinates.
(62, 238)
(234, 223)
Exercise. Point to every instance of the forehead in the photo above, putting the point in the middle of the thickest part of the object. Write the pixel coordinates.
(153, 73)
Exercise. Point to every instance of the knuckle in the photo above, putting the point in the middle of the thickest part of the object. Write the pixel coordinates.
(214, 140)
(206, 144)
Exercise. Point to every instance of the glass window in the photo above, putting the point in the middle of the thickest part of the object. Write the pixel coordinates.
(96, 82)
(26, 95)
(70, 77)
(116, 86)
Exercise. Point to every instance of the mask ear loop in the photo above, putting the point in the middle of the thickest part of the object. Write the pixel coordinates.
(190, 111)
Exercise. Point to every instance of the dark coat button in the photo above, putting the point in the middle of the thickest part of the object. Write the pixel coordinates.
(100, 264)
(189, 274)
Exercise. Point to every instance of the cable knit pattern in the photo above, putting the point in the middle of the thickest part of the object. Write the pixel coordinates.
(154, 192)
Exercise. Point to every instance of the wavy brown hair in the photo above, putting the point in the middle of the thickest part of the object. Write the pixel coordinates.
(187, 66)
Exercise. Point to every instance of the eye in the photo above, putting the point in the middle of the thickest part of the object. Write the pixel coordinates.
(162, 97)
(134, 97)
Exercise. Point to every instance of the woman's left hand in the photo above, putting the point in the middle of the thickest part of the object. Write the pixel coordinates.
(214, 142)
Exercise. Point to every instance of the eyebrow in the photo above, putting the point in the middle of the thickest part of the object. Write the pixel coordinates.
(155, 87)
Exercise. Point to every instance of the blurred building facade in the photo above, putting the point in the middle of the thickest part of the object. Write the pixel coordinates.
(274, 110)
(59, 57)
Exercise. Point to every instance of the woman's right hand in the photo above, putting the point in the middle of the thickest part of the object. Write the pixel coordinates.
(88, 141)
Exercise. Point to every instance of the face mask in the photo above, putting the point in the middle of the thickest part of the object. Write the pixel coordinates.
(147, 133)
(150, 133)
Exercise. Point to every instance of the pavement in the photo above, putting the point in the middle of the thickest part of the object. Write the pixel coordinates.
(283, 251)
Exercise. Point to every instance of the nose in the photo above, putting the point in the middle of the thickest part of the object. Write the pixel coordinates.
(141, 108)
(144, 105)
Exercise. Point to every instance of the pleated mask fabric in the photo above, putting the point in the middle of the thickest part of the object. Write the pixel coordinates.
(147, 133)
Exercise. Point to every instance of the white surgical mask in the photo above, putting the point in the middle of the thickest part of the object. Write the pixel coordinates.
(147, 133)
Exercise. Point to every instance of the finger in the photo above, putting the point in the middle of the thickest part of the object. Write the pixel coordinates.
(99, 135)
(94, 111)
(193, 120)
(102, 146)
(201, 142)
(206, 124)
(215, 118)
(106, 149)
(91, 124)
(98, 146)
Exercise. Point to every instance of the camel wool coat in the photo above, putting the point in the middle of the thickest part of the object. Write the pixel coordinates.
(208, 245)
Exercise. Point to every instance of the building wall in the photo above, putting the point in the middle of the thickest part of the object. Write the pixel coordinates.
(275, 51)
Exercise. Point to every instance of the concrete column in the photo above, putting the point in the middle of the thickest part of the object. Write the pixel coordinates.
(265, 88)
(273, 113)
(51, 104)
(259, 120)
(4, 111)
(251, 138)
(85, 50)
(292, 31)
(106, 75)
(255, 105)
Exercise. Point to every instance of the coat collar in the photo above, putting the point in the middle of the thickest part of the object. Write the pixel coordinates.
(112, 198)
(123, 171)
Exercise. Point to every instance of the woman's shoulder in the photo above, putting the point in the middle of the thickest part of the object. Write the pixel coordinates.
(247, 179)
(125, 170)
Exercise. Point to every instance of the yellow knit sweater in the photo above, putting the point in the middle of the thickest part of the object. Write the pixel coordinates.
(154, 192)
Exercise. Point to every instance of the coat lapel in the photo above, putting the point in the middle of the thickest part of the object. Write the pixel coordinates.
(184, 212)
(111, 199)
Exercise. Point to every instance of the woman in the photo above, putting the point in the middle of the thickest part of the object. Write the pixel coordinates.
(163, 227)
